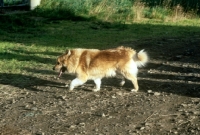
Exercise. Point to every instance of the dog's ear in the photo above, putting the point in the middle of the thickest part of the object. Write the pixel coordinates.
(68, 52)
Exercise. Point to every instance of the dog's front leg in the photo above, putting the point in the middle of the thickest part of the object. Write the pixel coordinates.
(98, 84)
(76, 82)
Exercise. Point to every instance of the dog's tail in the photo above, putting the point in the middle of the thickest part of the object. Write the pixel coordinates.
(141, 58)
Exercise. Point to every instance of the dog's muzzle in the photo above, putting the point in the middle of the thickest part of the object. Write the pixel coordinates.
(62, 70)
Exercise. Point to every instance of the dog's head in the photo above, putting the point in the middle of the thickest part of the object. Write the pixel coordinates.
(61, 62)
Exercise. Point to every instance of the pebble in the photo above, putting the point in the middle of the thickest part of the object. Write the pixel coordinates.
(13, 101)
(142, 128)
(148, 124)
(179, 56)
(34, 109)
(175, 132)
(157, 94)
(82, 124)
(119, 93)
(34, 102)
(195, 112)
(26, 106)
(184, 105)
(113, 96)
(110, 117)
(62, 97)
(103, 115)
(150, 91)
(181, 77)
(72, 126)
(40, 133)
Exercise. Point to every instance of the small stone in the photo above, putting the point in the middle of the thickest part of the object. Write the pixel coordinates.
(189, 82)
(82, 124)
(181, 78)
(110, 117)
(103, 115)
(179, 56)
(157, 94)
(119, 93)
(13, 101)
(150, 91)
(184, 105)
(72, 126)
(142, 128)
(34, 102)
(113, 96)
(175, 132)
(180, 110)
(40, 133)
(195, 112)
(148, 124)
(34, 109)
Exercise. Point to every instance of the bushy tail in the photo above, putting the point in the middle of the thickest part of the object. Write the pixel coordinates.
(141, 58)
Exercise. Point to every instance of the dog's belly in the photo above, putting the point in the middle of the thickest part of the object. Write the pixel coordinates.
(110, 73)
(94, 74)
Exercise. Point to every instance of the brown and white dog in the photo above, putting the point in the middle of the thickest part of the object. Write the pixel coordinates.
(94, 64)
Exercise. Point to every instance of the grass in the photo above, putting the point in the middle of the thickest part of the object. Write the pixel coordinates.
(11, 2)
(123, 11)
(30, 43)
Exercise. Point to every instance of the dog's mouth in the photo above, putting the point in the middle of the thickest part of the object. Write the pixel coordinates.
(62, 70)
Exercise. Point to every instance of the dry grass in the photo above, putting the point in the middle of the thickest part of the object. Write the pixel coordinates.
(125, 11)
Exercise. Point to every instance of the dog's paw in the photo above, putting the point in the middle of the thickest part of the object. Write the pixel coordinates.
(95, 90)
(134, 90)
(71, 88)
(122, 83)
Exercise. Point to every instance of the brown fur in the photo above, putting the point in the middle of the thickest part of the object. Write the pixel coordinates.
(93, 64)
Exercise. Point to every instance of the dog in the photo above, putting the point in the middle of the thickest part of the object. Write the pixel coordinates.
(94, 64)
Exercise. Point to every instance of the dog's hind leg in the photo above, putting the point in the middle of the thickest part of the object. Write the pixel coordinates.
(121, 76)
(122, 82)
(98, 84)
(133, 79)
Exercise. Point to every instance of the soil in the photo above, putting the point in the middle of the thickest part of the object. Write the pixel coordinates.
(168, 101)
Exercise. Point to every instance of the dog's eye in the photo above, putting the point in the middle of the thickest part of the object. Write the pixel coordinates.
(58, 63)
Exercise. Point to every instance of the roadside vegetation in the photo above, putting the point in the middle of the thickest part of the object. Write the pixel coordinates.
(123, 11)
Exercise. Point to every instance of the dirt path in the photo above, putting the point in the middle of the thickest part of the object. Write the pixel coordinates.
(168, 101)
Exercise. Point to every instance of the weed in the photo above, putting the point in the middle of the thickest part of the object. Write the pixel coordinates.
(118, 10)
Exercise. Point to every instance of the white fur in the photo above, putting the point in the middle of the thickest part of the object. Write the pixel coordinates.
(75, 82)
(144, 61)
(122, 82)
(98, 84)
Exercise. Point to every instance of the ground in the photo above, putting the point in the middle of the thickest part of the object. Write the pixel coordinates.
(168, 101)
